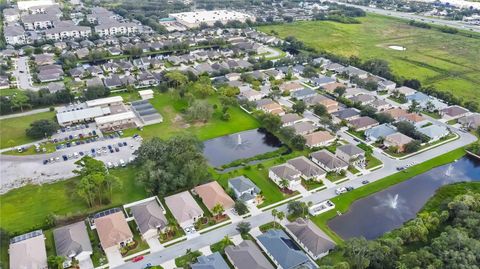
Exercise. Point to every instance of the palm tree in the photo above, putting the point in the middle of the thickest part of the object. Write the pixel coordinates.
(274, 214)
(217, 210)
(284, 183)
(281, 215)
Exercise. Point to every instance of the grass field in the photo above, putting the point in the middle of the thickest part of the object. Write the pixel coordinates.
(12, 131)
(447, 62)
(343, 202)
(27, 207)
(170, 107)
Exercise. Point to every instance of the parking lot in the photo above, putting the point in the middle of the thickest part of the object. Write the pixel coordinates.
(17, 171)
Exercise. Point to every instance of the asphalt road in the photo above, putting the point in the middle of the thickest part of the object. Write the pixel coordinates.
(408, 16)
(216, 235)
(22, 74)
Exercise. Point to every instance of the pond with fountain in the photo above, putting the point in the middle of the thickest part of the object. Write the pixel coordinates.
(242, 145)
(386, 210)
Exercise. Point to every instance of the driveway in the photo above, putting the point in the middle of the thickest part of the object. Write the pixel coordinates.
(114, 257)
(86, 263)
(154, 244)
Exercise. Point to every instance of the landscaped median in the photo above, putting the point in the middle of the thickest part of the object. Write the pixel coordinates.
(343, 202)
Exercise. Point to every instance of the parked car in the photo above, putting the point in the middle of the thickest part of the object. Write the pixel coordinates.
(122, 163)
(341, 190)
(365, 182)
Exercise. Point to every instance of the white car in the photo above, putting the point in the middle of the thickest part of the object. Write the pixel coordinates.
(122, 163)
(341, 190)
(109, 165)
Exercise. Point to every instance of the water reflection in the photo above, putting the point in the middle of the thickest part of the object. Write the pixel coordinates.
(386, 210)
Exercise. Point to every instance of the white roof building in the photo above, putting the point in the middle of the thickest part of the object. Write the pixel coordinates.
(105, 101)
(194, 19)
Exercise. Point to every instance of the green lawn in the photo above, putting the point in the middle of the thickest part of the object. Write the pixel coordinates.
(25, 209)
(170, 107)
(447, 62)
(371, 161)
(186, 259)
(259, 175)
(343, 202)
(12, 131)
(8, 92)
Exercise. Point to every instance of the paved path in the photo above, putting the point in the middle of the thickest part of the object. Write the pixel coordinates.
(22, 74)
(216, 235)
(26, 113)
(408, 16)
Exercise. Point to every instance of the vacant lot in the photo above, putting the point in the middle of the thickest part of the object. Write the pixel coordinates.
(171, 107)
(12, 131)
(447, 62)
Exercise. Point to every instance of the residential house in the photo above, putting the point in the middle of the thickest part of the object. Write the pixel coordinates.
(362, 123)
(212, 194)
(352, 92)
(244, 189)
(453, 112)
(346, 114)
(43, 59)
(352, 71)
(386, 85)
(322, 81)
(397, 140)
(252, 95)
(435, 132)
(396, 113)
(330, 88)
(274, 73)
(27, 251)
(286, 172)
(363, 99)
(72, 242)
(283, 251)
(247, 255)
(290, 119)
(112, 228)
(379, 132)
(48, 73)
(184, 208)
(150, 218)
(212, 261)
(404, 90)
(14, 35)
(351, 154)
(270, 106)
(328, 161)
(309, 170)
(291, 86)
(303, 94)
(334, 67)
(319, 139)
(303, 127)
(330, 104)
(380, 105)
(311, 238)
(471, 121)
(233, 76)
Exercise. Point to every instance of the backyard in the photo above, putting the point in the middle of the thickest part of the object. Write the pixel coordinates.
(447, 62)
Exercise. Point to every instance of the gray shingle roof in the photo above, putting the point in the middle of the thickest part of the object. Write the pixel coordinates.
(314, 239)
(71, 240)
(212, 261)
(149, 215)
(306, 167)
(247, 256)
(350, 149)
(284, 250)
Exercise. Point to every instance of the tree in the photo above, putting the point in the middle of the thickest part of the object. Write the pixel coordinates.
(170, 165)
(340, 91)
(320, 110)
(19, 100)
(414, 107)
(298, 142)
(368, 111)
(355, 251)
(95, 92)
(412, 83)
(270, 122)
(299, 107)
(281, 216)
(412, 146)
(284, 183)
(176, 79)
(274, 215)
(55, 262)
(309, 72)
(217, 210)
(42, 129)
(201, 88)
(371, 85)
(296, 209)
(240, 207)
(199, 111)
(243, 227)
(384, 118)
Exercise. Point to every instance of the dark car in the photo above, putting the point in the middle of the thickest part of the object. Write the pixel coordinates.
(93, 150)
(124, 143)
(349, 188)
(65, 158)
(111, 151)
(117, 149)
(109, 146)
(365, 182)
(94, 132)
(120, 144)
(81, 153)
(45, 161)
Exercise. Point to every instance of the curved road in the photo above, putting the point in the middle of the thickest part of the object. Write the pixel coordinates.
(389, 168)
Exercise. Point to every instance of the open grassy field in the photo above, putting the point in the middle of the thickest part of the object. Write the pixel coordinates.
(24, 208)
(12, 131)
(170, 107)
(447, 62)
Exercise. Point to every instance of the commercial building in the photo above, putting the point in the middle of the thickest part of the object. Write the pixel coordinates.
(194, 19)
(116, 122)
